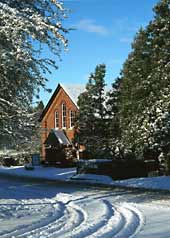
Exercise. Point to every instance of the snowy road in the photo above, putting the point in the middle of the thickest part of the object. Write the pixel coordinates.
(68, 211)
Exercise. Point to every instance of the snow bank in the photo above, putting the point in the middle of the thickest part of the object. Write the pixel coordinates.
(69, 174)
(160, 182)
(61, 174)
(93, 178)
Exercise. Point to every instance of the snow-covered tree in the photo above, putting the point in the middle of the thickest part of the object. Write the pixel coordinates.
(26, 28)
(92, 115)
(135, 89)
(112, 111)
(144, 100)
(27, 139)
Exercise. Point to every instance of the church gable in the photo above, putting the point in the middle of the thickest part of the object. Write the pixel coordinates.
(60, 110)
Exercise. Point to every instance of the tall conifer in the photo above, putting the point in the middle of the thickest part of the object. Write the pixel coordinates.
(144, 101)
(91, 119)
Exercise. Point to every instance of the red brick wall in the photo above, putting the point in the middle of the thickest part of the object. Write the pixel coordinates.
(48, 121)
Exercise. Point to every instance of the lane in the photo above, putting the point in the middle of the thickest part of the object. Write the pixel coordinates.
(34, 209)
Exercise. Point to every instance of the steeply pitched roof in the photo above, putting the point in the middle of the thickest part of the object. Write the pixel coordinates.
(57, 137)
(73, 91)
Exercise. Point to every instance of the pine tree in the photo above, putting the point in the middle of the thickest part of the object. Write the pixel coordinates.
(112, 110)
(135, 90)
(144, 100)
(92, 115)
(159, 30)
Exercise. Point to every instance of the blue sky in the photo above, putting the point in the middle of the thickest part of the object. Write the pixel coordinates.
(104, 31)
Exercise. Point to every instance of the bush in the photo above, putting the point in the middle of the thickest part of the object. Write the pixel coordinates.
(102, 167)
(125, 169)
(9, 161)
(117, 169)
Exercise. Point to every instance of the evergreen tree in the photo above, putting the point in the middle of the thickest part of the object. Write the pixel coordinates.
(92, 115)
(159, 32)
(135, 89)
(112, 110)
(40, 106)
(144, 101)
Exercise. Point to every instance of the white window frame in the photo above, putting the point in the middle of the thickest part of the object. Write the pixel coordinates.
(56, 119)
(72, 118)
(64, 115)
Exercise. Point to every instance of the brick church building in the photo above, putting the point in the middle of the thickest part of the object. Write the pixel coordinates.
(59, 113)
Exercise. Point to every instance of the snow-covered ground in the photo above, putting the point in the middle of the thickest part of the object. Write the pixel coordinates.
(40, 172)
(48, 209)
(69, 175)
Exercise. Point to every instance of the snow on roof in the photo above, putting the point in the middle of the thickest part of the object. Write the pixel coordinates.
(73, 90)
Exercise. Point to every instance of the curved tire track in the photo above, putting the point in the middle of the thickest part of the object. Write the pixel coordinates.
(91, 216)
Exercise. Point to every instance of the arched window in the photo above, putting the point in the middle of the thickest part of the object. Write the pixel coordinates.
(72, 118)
(56, 119)
(64, 116)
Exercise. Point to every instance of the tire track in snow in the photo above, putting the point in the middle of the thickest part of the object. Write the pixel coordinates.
(73, 217)
(112, 226)
(71, 224)
(69, 215)
(91, 224)
(56, 212)
(126, 222)
(65, 218)
(117, 221)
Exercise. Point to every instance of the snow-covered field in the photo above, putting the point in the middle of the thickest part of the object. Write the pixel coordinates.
(75, 211)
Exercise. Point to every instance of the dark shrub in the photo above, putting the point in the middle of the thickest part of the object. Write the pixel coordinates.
(9, 161)
(117, 169)
(128, 169)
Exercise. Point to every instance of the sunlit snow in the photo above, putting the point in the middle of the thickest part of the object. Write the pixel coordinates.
(36, 209)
